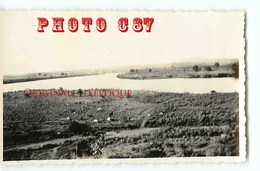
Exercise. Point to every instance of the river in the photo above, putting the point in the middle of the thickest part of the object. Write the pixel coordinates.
(179, 85)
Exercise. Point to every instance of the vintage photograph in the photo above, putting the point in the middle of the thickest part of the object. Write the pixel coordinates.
(123, 85)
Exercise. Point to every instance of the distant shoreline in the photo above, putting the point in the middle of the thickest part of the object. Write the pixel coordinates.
(182, 70)
(189, 71)
(24, 79)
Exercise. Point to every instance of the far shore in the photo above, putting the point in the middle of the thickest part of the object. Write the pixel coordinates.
(187, 71)
(17, 80)
(175, 70)
(44, 76)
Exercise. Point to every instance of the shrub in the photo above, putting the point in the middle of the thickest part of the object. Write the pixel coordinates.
(79, 128)
(84, 148)
(208, 68)
(188, 151)
(125, 118)
(216, 64)
(169, 75)
(195, 68)
(155, 152)
(216, 150)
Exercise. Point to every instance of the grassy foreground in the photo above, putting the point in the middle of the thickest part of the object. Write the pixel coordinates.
(148, 124)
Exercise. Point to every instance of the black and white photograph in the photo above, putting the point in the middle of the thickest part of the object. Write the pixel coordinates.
(129, 85)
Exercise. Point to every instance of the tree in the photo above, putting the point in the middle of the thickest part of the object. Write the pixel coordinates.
(150, 70)
(208, 68)
(216, 64)
(195, 68)
(79, 128)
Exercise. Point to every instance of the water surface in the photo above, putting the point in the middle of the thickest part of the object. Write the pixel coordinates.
(179, 85)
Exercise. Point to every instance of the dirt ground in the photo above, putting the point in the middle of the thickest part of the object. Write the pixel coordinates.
(147, 124)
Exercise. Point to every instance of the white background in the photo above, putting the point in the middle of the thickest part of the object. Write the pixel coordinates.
(252, 8)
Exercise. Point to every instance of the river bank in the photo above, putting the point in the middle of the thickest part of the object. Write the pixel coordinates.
(189, 71)
(8, 79)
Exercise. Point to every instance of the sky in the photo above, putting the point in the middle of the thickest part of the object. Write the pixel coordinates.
(174, 37)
